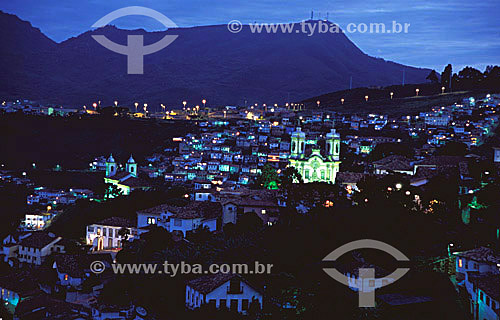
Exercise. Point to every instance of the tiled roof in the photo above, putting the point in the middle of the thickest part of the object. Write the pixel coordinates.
(194, 209)
(117, 222)
(76, 264)
(21, 283)
(481, 254)
(43, 306)
(39, 239)
(209, 283)
(349, 177)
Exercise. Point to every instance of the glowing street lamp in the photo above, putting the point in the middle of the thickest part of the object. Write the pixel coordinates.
(366, 98)
(392, 94)
(417, 91)
(399, 186)
(136, 105)
(342, 100)
(442, 90)
(204, 102)
(318, 102)
(116, 103)
(145, 109)
(162, 107)
(94, 105)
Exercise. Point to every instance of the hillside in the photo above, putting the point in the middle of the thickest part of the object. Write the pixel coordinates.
(204, 62)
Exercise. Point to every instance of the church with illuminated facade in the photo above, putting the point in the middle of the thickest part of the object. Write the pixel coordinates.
(315, 164)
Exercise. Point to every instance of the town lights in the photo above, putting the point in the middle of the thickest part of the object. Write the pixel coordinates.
(94, 105)
(417, 91)
(442, 89)
(399, 186)
(342, 101)
(116, 103)
(184, 104)
(204, 102)
(318, 102)
(392, 94)
(366, 98)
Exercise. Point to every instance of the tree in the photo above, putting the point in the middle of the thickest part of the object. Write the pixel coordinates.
(453, 148)
(446, 76)
(433, 77)
(124, 233)
(111, 191)
(268, 178)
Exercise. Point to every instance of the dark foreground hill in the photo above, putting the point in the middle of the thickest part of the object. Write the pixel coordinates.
(204, 62)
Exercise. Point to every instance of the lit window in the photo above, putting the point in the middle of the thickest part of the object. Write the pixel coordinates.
(263, 211)
(460, 263)
(65, 277)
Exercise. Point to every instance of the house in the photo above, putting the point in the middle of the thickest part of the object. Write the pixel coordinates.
(478, 273)
(393, 163)
(222, 291)
(349, 180)
(43, 306)
(10, 246)
(14, 288)
(38, 246)
(105, 234)
(182, 219)
(73, 269)
(126, 181)
(39, 220)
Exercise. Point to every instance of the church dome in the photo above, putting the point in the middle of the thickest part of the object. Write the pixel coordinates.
(111, 159)
(131, 160)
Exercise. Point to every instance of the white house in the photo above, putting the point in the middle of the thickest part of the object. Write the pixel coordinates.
(105, 234)
(39, 220)
(39, 245)
(182, 219)
(478, 271)
(222, 290)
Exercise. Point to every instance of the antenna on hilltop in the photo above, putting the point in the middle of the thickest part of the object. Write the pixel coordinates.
(312, 14)
(327, 16)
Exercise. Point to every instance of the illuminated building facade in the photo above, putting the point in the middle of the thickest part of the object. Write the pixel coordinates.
(316, 166)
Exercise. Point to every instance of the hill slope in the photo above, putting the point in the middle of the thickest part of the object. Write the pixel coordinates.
(204, 62)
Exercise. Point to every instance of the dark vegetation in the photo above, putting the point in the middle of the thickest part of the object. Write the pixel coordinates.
(73, 142)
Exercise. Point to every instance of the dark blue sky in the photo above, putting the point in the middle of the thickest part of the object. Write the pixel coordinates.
(461, 32)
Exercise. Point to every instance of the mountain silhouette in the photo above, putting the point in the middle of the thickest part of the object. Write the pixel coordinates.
(203, 62)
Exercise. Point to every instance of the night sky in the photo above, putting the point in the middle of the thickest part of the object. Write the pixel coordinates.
(461, 32)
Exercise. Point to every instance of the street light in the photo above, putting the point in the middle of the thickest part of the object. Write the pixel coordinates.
(392, 94)
(162, 107)
(342, 100)
(94, 105)
(184, 104)
(399, 186)
(366, 98)
(204, 102)
(116, 103)
(442, 90)
(318, 102)
(145, 109)
(417, 91)
(136, 105)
